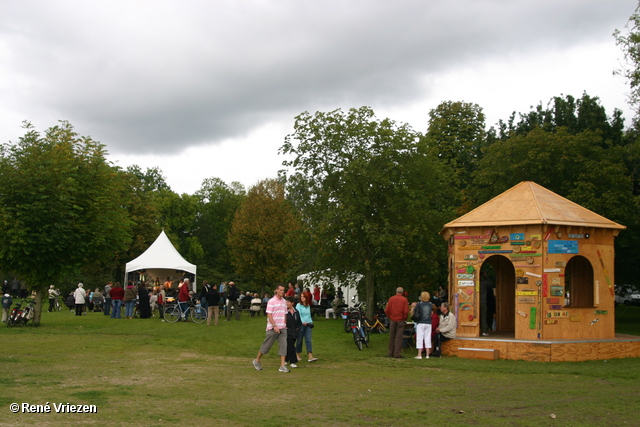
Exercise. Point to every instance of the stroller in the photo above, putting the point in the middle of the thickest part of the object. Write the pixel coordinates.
(97, 304)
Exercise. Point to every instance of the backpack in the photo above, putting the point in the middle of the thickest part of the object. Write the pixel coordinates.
(417, 313)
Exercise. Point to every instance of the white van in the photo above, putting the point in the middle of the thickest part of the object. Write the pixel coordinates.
(627, 295)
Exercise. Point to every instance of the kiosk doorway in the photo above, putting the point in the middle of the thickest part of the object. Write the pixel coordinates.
(500, 270)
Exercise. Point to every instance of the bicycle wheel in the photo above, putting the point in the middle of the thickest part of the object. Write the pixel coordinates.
(347, 327)
(367, 331)
(197, 314)
(362, 335)
(356, 339)
(166, 310)
(172, 314)
(381, 328)
(366, 337)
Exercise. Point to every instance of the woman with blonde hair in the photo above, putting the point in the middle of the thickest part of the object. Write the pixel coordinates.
(423, 325)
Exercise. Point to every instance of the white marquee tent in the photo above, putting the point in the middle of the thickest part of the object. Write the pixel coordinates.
(161, 260)
(322, 278)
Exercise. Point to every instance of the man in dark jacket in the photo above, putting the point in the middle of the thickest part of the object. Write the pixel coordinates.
(232, 295)
(212, 296)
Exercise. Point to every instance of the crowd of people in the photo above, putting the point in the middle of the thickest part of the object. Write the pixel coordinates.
(431, 329)
(289, 312)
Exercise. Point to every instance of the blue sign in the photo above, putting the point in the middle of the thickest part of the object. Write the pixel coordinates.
(562, 247)
(516, 236)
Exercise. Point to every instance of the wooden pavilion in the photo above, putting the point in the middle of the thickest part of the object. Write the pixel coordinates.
(549, 263)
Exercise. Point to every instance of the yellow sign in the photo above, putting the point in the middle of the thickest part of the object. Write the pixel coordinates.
(526, 293)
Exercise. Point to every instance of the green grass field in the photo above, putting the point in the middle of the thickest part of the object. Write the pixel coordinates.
(147, 372)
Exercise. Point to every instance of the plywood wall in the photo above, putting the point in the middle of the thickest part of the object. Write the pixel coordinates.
(538, 255)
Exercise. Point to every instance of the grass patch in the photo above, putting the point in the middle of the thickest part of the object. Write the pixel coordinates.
(148, 372)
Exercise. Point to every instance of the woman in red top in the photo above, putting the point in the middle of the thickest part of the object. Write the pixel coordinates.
(183, 297)
(117, 295)
(290, 292)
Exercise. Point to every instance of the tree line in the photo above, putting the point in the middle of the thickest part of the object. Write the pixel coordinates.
(360, 194)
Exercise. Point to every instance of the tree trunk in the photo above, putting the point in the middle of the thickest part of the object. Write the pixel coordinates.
(370, 297)
(38, 313)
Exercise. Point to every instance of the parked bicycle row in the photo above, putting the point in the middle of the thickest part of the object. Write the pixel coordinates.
(19, 315)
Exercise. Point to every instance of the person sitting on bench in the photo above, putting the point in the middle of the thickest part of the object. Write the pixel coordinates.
(446, 330)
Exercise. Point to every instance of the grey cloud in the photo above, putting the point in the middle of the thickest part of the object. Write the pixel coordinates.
(159, 76)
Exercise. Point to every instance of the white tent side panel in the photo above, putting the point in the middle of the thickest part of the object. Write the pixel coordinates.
(320, 279)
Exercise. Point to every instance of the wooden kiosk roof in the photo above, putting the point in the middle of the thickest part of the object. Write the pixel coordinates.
(530, 203)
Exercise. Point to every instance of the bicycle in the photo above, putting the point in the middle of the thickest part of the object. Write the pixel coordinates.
(359, 331)
(20, 316)
(377, 326)
(16, 313)
(194, 312)
(380, 324)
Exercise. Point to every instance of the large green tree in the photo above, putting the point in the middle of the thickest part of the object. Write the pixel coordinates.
(264, 234)
(574, 150)
(60, 206)
(218, 202)
(456, 136)
(177, 214)
(629, 42)
(373, 200)
(139, 198)
(571, 114)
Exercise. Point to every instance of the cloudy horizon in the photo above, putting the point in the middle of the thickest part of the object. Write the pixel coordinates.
(210, 89)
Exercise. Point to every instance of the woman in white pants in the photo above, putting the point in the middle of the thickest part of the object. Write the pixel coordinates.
(423, 324)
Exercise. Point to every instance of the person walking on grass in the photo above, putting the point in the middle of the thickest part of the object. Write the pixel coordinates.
(396, 310)
(304, 308)
(293, 331)
(276, 330)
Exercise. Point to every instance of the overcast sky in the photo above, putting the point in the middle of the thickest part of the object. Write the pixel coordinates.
(206, 89)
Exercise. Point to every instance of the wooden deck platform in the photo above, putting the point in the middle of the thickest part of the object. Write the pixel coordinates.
(501, 346)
